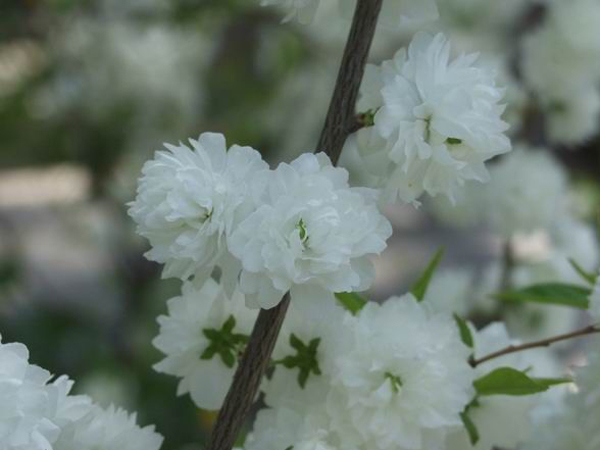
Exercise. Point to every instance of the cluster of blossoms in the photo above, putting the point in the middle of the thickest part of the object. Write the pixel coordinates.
(37, 412)
(395, 376)
(271, 231)
(436, 121)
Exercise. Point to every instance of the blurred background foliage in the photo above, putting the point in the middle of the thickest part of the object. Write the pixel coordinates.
(89, 89)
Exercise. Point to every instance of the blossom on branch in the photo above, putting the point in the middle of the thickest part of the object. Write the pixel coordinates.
(310, 228)
(438, 120)
(189, 200)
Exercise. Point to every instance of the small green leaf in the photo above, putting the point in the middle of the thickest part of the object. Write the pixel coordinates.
(587, 276)
(229, 324)
(549, 382)
(470, 427)
(465, 331)
(228, 358)
(420, 288)
(453, 141)
(303, 378)
(296, 343)
(351, 301)
(509, 381)
(208, 353)
(551, 294)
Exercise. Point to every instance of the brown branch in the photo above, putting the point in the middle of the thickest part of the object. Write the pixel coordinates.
(537, 344)
(339, 120)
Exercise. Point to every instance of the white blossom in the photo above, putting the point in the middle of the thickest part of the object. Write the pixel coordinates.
(439, 120)
(501, 421)
(32, 409)
(310, 334)
(201, 338)
(402, 379)
(526, 191)
(108, 429)
(311, 228)
(189, 200)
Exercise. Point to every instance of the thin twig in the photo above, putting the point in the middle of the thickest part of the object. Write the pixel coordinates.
(537, 344)
(339, 120)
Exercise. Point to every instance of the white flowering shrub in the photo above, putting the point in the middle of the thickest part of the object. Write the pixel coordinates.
(275, 263)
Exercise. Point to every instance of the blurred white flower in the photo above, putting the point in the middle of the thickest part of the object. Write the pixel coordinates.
(439, 121)
(310, 229)
(302, 10)
(526, 191)
(561, 64)
(188, 201)
(402, 379)
(450, 291)
(33, 409)
(108, 430)
(502, 421)
(201, 337)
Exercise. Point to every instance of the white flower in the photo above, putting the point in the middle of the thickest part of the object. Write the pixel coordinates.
(108, 430)
(188, 201)
(450, 291)
(402, 380)
(502, 421)
(561, 64)
(595, 301)
(438, 123)
(201, 338)
(526, 191)
(32, 410)
(283, 428)
(311, 229)
(308, 339)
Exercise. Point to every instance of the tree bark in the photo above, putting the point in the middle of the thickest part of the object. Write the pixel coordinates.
(338, 124)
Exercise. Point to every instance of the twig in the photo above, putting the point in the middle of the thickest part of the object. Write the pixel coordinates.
(339, 120)
(537, 344)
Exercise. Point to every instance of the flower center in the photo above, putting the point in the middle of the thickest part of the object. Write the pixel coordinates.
(302, 232)
(395, 381)
(224, 342)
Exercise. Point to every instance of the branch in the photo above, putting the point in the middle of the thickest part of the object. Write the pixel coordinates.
(537, 344)
(340, 118)
(338, 123)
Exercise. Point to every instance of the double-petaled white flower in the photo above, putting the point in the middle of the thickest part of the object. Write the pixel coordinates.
(401, 379)
(201, 337)
(438, 120)
(108, 429)
(310, 228)
(188, 201)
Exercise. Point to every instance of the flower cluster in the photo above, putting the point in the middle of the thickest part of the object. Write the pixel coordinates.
(37, 412)
(437, 121)
(393, 377)
(300, 224)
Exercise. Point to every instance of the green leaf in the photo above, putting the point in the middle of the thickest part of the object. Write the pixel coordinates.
(551, 294)
(229, 325)
(453, 141)
(351, 301)
(228, 358)
(420, 288)
(587, 276)
(296, 343)
(470, 427)
(509, 381)
(465, 331)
